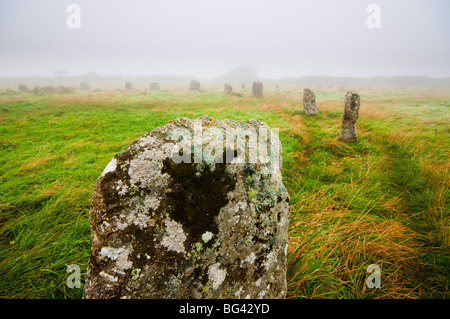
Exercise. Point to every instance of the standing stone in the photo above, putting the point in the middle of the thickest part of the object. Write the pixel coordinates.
(128, 86)
(243, 86)
(227, 88)
(23, 88)
(154, 86)
(84, 87)
(207, 219)
(194, 85)
(257, 89)
(351, 113)
(309, 102)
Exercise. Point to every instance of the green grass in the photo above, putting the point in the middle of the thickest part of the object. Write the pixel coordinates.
(383, 200)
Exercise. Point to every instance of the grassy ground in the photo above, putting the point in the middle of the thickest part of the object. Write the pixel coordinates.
(383, 200)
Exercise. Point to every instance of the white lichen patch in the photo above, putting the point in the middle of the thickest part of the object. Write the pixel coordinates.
(237, 207)
(105, 227)
(139, 219)
(175, 236)
(119, 255)
(168, 149)
(284, 221)
(111, 167)
(121, 188)
(146, 141)
(250, 258)
(133, 217)
(216, 275)
(111, 252)
(108, 276)
(206, 237)
(122, 262)
(238, 293)
(146, 168)
(270, 260)
(139, 213)
(151, 202)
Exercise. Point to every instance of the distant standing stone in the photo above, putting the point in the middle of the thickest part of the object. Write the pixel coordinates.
(128, 86)
(350, 116)
(194, 85)
(309, 102)
(227, 88)
(257, 89)
(23, 88)
(206, 222)
(84, 87)
(154, 86)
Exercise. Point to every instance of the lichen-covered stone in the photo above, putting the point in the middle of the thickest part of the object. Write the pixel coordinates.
(23, 88)
(176, 216)
(349, 118)
(85, 86)
(309, 102)
(257, 89)
(154, 86)
(227, 88)
(194, 85)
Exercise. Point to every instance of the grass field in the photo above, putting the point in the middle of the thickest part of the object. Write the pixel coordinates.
(383, 200)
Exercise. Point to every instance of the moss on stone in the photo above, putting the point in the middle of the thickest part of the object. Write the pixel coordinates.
(196, 196)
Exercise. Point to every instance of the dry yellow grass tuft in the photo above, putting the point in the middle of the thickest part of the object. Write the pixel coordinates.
(345, 247)
(37, 161)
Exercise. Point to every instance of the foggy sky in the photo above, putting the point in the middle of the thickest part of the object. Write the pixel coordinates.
(206, 38)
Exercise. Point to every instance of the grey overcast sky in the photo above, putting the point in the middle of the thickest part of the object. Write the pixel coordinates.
(206, 38)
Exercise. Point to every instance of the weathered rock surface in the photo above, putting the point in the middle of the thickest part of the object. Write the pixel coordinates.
(309, 102)
(257, 89)
(194, 85)
(175, 219)
(128, 86)
(350, 116)
(227, 88)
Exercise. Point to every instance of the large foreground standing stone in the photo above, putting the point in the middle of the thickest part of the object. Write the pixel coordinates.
(350, 116)
(257, 89)
(194, 209)
(309, 102)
